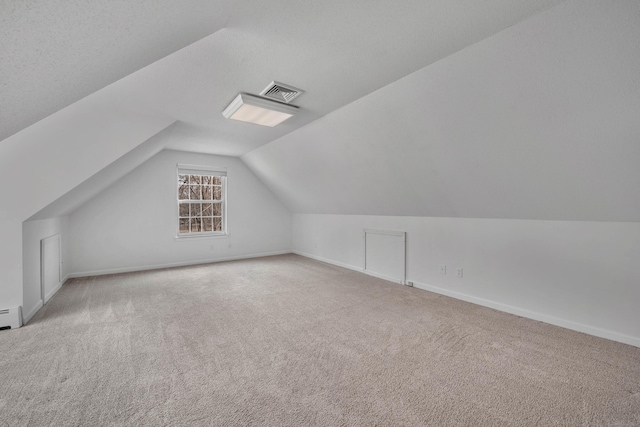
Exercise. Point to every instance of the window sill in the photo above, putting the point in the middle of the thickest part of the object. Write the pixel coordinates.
(201, 236)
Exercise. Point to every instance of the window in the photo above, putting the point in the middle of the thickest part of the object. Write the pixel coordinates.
(201, 201)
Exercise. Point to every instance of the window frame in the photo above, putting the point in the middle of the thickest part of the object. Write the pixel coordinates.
(183, 169)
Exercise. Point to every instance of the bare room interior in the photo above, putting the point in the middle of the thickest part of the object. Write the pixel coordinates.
(329, 213)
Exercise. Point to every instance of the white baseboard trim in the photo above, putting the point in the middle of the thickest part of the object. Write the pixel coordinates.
(172, 264)
(53, 291)
(590, 330)
(383, 277)
(40, 304)
(32, 312)
(349, 266)
(329, 261)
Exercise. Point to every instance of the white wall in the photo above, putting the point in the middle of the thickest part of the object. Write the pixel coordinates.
(32, 233)
(10, 261)
(534, 129)
(50, 158)
(580, 275)
(132, 224)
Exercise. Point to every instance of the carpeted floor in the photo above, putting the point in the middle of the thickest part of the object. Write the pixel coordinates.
(287, 341)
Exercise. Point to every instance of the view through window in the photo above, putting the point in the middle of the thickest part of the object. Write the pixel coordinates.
(201, 199)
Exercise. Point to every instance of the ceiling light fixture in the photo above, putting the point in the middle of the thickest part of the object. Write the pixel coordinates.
(261, 111)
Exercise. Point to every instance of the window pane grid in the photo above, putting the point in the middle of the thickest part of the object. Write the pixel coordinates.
(200, 204)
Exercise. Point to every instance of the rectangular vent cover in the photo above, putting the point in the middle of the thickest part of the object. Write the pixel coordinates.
(281, 92)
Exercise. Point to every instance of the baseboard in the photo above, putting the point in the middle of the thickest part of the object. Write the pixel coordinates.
(40, 304)
(32, 312)
(579, 327)
(383, 277)
(172, 264)
(329, 261)
(349, 266)
(53, 292)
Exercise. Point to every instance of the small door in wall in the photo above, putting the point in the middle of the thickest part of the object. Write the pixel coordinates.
(51, 267)
(385, 254)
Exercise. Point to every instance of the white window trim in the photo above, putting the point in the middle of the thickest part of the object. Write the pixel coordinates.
(186, 169)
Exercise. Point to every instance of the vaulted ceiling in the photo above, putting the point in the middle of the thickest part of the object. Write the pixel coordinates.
(500, 108)
(540, 121)
(55, 52)
(186, 60)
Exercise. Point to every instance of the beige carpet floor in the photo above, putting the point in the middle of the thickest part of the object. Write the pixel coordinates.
(287, 341)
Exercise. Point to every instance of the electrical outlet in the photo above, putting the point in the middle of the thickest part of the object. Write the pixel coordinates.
(443, 269)
(459, 272)
(410, 284)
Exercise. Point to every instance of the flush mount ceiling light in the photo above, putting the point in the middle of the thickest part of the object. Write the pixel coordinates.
(261, 111)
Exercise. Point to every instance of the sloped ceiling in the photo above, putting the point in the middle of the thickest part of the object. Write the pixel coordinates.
(107, 176)
(541, 121)
(55, 52)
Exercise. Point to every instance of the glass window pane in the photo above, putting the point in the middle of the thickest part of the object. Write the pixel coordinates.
(207, 192)
(195, 209)
(205, 213)
(183, 192)
(196, 225)
(207, 209)
(195, 192)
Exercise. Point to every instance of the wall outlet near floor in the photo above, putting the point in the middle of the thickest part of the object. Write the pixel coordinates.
(459, 272)
(443, 269)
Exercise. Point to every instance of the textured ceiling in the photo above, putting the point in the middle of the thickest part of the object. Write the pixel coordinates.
(55, 52)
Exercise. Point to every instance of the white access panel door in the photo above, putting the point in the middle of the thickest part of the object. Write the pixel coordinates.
(50, 266)
(384, 254)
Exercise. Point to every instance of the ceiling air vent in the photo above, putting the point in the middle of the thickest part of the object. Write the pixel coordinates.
(281, 92)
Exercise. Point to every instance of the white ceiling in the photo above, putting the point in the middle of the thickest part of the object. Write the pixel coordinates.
(55, 52)
(540, 121)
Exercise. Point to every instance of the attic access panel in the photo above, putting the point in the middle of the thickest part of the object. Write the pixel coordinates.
(385, 254)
